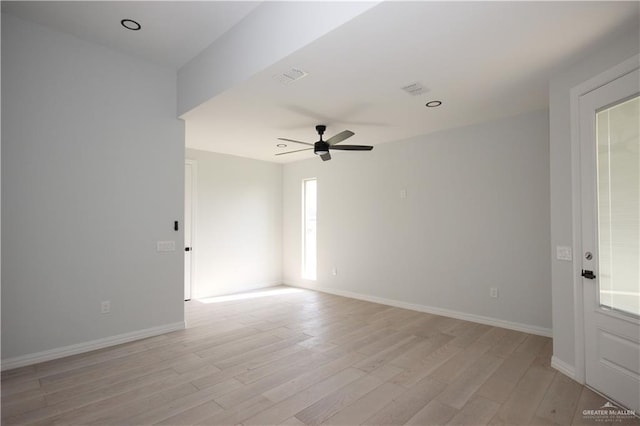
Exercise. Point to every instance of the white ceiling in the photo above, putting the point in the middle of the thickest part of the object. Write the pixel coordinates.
(483, 60)
(172, 32)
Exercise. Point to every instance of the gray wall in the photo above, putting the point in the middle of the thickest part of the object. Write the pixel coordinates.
(476, 216)
(92, 177)
(238, 235)
(597, 60)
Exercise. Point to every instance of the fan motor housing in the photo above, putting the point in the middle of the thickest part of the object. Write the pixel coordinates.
(320, 148)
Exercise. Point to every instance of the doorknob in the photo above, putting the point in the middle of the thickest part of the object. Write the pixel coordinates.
(588, 274)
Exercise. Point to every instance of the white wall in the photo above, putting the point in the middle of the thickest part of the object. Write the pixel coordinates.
(238, 236)
(92, 177)
(600, 58)
(476, 216)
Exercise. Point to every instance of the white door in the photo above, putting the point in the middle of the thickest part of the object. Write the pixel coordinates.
(610, 169)
(189, 174)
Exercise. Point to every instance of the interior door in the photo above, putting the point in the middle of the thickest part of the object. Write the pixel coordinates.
(610, 168)
(188, 226)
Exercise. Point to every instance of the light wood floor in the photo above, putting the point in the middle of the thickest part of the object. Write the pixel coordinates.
(305, 358)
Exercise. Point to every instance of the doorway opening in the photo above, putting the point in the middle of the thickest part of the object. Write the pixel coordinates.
(190, 191)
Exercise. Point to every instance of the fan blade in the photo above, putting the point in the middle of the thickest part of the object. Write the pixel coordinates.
(339, 137)
(352, 147)
(326, 157)
(291, 152)
(291, 140)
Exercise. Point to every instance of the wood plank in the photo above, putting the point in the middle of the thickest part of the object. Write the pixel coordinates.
(521, 405)
(425, 366)
(298, 402)
(533, 344)
(386, 354)
(502, 382)
(470, 335)
(239, 413)
(478, 411)
(303, 381)
(331, 404)
(451, 369)
(269, 381)
(406, 405)
(129, 410)
(434, 413)
(193, 415)
(460, 390)
(560, 401)
(589, 400)
(357, 412)
(178, 405)
(509, 342)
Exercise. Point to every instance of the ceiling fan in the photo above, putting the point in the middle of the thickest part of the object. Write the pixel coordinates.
(322, 147)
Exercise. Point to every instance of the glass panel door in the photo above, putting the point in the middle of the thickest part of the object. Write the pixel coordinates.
(618, 174)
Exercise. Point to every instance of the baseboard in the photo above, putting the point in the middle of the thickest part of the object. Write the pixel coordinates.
(566, 369)
(525, 328)
(78, 348)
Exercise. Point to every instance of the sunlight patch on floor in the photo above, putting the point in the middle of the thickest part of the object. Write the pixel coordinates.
(250, 295)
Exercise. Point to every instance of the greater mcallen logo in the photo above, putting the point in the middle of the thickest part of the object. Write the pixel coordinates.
(608, 413)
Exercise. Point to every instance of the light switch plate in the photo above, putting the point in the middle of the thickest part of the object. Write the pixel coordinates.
(166, 246)
(564, 253)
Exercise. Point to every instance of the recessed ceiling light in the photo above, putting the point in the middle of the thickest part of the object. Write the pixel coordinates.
(130, 24)
(282, 145)
(433, 104)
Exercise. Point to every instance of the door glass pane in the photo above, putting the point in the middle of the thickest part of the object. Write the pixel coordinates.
(619, 206)
(309, 197)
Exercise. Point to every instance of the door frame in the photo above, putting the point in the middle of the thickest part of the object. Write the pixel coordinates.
(599, 80)
(194, 216)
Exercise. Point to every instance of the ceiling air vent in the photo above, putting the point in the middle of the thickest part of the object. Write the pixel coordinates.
(290, 76)
(415, 89)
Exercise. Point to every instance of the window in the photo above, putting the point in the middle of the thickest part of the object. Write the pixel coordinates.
(309, 208)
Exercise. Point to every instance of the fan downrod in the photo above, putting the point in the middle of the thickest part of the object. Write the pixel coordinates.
(320, 128)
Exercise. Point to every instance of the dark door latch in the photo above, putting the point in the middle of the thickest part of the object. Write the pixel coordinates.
(188, 249)
(588, 274)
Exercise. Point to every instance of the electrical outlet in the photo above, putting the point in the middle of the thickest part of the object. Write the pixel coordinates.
(493, 292)
(105, 306)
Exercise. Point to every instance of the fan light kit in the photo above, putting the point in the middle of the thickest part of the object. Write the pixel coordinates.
(322, 147)
(433, 104)
(130, 24)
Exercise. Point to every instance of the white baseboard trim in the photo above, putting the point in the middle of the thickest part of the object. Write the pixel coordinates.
(525, 328)
(566, 369)
(78, 348)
